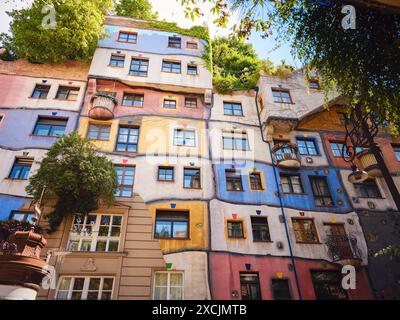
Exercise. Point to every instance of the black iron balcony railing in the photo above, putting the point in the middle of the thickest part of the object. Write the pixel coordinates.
(286, 155)
(343, 249)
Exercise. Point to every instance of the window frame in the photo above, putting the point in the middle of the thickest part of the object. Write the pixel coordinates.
(189, 66)
(51, 126)
(185, 131)
(128, 33)
(193, 177)
(196, 47)
(260, 182)
(122, 186)
(327, 282)
(168, 286)
(134, 95)
(321, 197)
(281, 97)
(235, 141)
(100, 131)
(366, 186)
(290, 183)
(273, 292)
(37, 87)
(194, 106)
(314, 87)
(168, 66)
(131, 133)
(307, 147)
(230, 107)
(252, 221)
(117, 65)
(139, 72)
(254, 282)
(85, 288)
(171, 40)
(167, 103)
(94, 237)
(303, 231)
(69, 89)
(19, 161)
(170, 220)
(25, 215)
(337, 146)
(229, 230)
(235, 178)
(166, 168)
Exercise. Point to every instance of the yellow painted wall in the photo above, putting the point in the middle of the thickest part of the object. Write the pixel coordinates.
(155, 135)
(198, 225)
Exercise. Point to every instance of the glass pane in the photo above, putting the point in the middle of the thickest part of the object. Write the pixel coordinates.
(64, 283)
(160, 293)
(108, 283)
(163, 229)
(175, 293)
(113, 246)
(76, 295)
(115, 231)
(86, 245)
(117, 220)
(101, 245)
(161, 279)
(93, 295)
(62, 295)
(94, 284)
(105, 220)
(106, 296)
(176, 279)
(180, 229)
(78, 283)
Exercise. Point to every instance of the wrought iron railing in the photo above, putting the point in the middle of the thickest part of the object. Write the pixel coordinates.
(284, 152)
(342, 247)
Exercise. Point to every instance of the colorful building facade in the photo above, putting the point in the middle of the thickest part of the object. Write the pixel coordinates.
(221, 196)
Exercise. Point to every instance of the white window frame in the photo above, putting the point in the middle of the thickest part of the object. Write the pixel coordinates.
(175, 131)
(85, 289)
(93, 237)
(169, 283)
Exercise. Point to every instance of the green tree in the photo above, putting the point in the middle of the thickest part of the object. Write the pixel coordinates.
(79, 24)
(235, 65)
(139, 9)
(361, 64)
(76, 175)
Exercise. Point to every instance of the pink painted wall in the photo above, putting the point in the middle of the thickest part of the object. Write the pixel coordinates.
(153, 101)
(225, 269)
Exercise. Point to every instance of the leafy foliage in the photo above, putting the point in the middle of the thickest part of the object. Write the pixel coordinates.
(234, 63)
(139, 9)
(79, 23)
(77, 175)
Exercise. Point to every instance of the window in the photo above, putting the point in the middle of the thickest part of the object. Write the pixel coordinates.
(85, 288)
(22, 216)
(51, 127)
(328, 285)
(260, 229)
(40, 91)
(174, 42)
(172, 224)
(233, 109)
(21, 168)
(190, 102)
(170, 66)
(191, 178)
(130, 37)
(235, 141)
(169, 104)
(67, 93)
(126, 177)
(191, 45)
(255, 181)
(250, 286)
(184, 138)
(139, 67)
(304, 230)
(192, 69)
(279, 153)
(235, 229)
(95, 232)
(99, 131)
(117, 60)
(313, 84)
(168, 286)
(367, 189)
(280, 289)
(321, 192)
(133, 100)
(291, 184)
(281, 96)
(233, 180)
(396, 149)
(307, 147)
(337, 149)
(127, 139)
(165, 174)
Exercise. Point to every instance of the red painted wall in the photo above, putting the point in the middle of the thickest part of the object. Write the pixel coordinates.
(153, 101)
(225, 269)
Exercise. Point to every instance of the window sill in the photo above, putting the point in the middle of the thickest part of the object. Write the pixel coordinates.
(98, 254)
(165, 180)
(37, 98)
(236, 238)
(130, 42)
(118, 67)
(44, 136)
(137, 75)
(187, 188)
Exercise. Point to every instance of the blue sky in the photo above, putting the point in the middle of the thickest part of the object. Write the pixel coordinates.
(172, 11)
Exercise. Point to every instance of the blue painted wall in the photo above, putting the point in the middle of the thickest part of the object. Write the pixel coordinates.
(18, 125)
(269, 195)
(150, 41)
(8, 204)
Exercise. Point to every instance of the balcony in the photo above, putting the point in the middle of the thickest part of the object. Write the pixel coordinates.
(343, 249)
(369, 163)
(102, 107)
(286, 156)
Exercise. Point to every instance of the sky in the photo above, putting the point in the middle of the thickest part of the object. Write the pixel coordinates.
(172, 11)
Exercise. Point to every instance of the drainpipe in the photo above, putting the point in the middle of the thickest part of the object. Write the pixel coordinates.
(256, 89)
